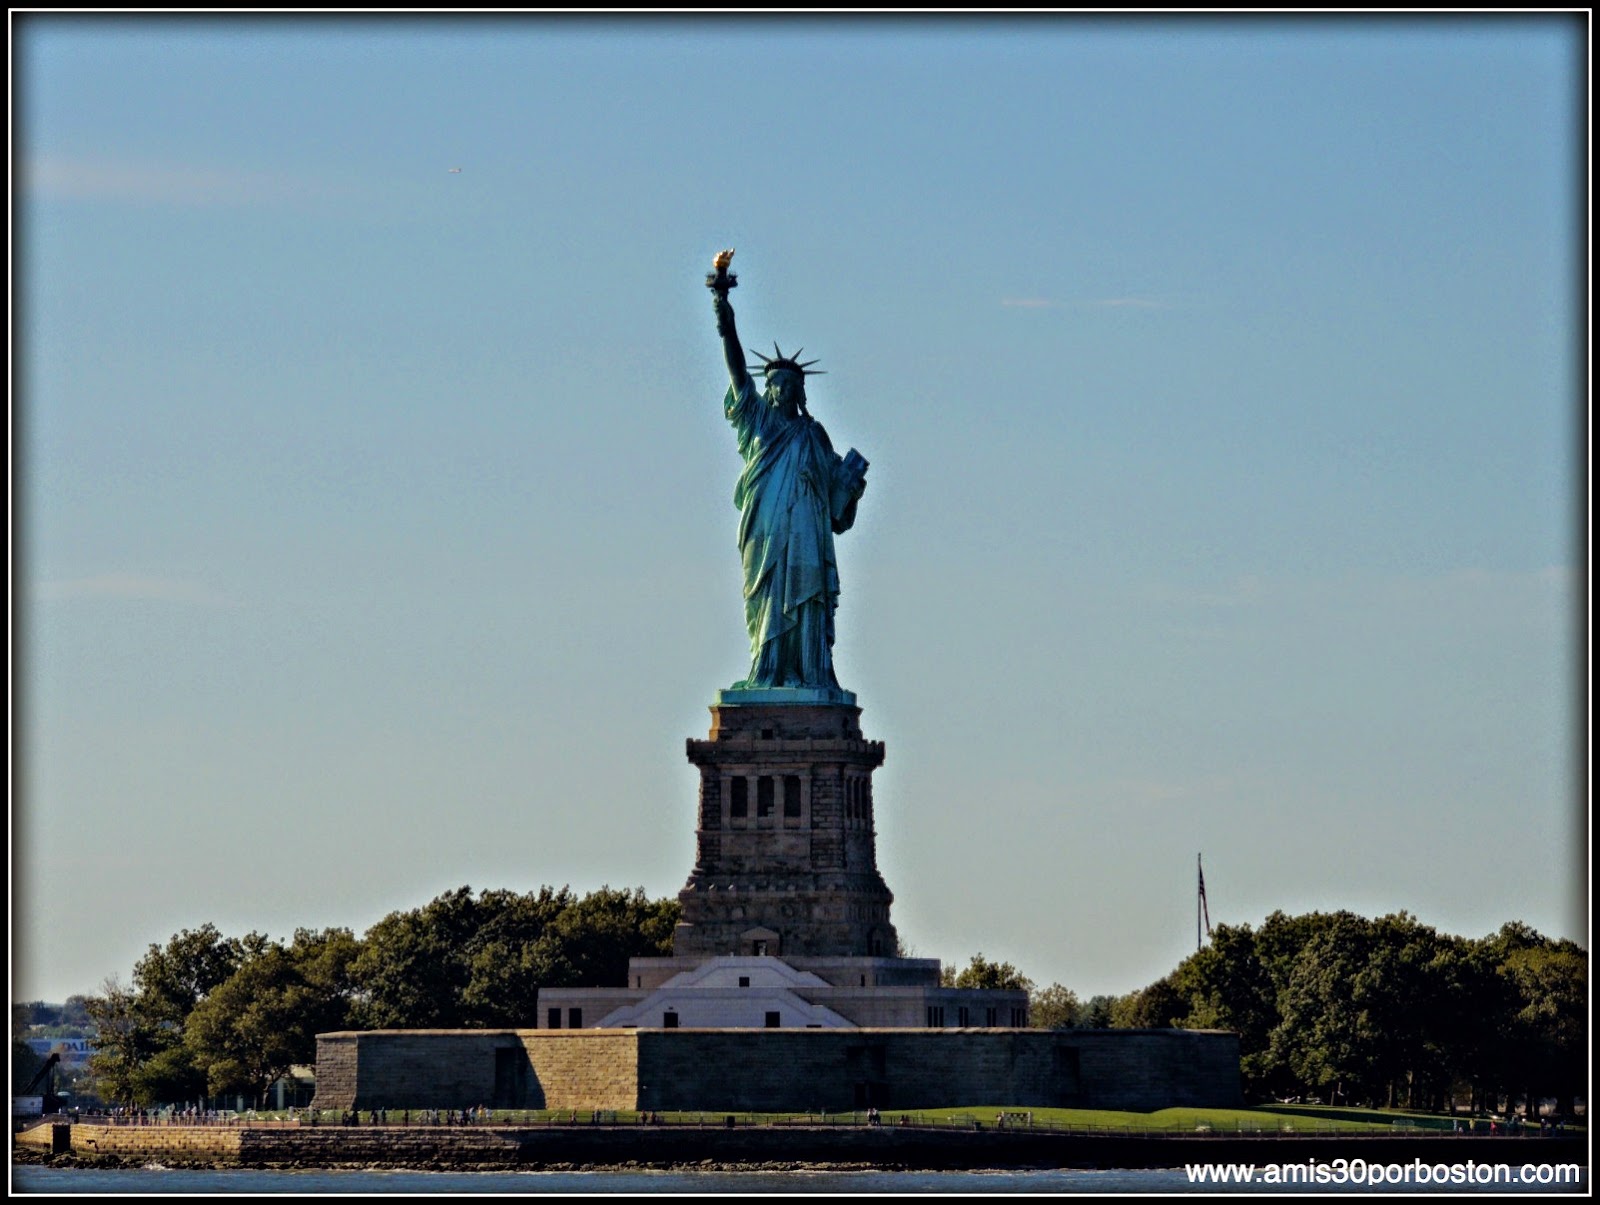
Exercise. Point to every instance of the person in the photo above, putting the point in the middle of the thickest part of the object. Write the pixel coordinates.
(794, 495)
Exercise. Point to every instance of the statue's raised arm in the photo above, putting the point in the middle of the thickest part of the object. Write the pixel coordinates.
(719, 280)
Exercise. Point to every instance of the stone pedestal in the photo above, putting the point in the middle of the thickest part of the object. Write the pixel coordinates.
(786, 854)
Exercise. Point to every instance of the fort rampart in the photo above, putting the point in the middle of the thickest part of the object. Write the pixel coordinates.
(776, 1070)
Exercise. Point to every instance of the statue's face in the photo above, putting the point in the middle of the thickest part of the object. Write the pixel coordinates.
(785, 391)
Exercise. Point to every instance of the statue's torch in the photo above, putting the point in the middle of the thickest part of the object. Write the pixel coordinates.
(719, 280)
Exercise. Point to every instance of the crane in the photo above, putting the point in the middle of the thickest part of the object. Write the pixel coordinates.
(46, 1076)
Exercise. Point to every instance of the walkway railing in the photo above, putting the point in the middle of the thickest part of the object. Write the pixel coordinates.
(1020, 1122)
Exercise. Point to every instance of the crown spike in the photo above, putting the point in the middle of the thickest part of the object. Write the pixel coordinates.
(780, 362)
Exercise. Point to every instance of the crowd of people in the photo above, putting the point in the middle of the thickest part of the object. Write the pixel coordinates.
(172, 1115)
(478, 1115)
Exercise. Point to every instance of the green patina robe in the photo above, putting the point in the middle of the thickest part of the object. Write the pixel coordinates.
(793, 496)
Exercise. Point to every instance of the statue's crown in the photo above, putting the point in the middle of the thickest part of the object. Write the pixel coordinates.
(781, 362)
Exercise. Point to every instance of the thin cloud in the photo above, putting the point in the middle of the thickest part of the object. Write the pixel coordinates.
(1098, 303)
(130, 586)
(1131, 303)
(60, 177)
(1127, 793)
(1247, 590)
(1483, 592)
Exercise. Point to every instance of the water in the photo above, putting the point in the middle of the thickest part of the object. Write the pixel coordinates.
(121, 1181)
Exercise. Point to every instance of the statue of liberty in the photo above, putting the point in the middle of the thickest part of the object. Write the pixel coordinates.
(794, 495)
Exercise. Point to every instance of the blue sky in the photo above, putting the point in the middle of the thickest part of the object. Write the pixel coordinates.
(1221, 382)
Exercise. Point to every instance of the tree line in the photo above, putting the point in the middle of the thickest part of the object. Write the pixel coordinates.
(1389, 1012)
(1328, 1006)
(209, 1015)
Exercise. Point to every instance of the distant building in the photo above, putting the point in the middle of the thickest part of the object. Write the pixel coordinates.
(294, 1090)
(74, 1052)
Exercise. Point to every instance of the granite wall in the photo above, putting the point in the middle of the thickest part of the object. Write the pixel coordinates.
(777, 1069)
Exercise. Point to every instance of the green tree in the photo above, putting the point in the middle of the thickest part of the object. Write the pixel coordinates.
(127, 1037)
(1456, 989)
(1227, 986)
(982, 973)
(324, 959)
(26, 1014)
(139, 1056)
(169, 1076)
(1400, 987)
(1280, 939)
(173, 978)
(1055, 1007)
(149, 1046)
(466, 961)
(593, 938)
(413, 966)
(1328, 1034)
(1156, 1007)
(1384, 1011)
(1549, 1030)
(513, 956)
(21, 1021)
(250, 1029)
(1097, 1012)
(25, 1064)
